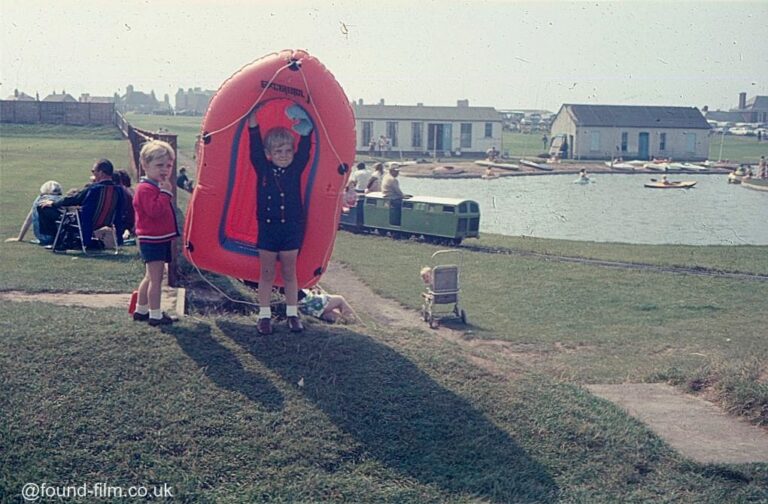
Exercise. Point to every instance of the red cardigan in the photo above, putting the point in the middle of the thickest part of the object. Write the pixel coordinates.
(155, 216)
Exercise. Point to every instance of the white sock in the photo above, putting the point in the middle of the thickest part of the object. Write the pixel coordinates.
(265, 312)
(142, 309)
(155, 314)
(291, 311)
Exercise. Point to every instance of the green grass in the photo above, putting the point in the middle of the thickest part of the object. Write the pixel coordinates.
(384, 415)
(520, 145)
(741, 258)
(591, 324)
(30, 155)
(737, 149)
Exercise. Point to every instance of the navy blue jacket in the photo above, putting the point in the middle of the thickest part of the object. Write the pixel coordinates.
(279, 189)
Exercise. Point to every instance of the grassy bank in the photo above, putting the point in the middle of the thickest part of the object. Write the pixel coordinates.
(382, 416)
(738, 258)
(589, 324)
(368, 413)
(30, 155)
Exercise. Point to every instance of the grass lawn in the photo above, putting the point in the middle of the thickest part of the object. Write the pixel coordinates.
(588, 324)
(30, 155)
(367, 413)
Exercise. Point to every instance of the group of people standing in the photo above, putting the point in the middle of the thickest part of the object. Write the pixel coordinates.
(381, 146)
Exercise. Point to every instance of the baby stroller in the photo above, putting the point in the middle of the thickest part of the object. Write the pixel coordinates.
(443, 289)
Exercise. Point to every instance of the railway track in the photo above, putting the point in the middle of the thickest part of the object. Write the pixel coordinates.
(603, 263)
(699, 271)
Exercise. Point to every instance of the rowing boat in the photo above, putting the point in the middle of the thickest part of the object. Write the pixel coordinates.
(503, 166)
(537, 166)
(671, 185)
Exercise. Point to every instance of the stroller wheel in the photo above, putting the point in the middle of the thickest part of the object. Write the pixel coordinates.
(433, 324)
(463, 316)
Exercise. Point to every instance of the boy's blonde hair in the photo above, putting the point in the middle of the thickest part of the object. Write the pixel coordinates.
(155, 149)
(277, 137)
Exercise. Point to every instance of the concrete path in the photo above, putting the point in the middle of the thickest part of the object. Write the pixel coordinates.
(696, 428)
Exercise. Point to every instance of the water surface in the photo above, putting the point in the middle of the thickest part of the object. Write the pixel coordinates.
(615, 208)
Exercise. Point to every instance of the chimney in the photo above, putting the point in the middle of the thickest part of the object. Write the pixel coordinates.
(16, 93)
(381, 101)
(360, 101)
(742, 101)
(462, 103)
(419, 104)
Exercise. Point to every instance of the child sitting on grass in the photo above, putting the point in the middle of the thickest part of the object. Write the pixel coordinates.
(328, 307)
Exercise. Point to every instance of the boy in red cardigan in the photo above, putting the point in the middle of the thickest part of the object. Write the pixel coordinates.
(156, 227)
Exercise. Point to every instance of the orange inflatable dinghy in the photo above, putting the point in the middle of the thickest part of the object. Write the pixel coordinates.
(221, 226)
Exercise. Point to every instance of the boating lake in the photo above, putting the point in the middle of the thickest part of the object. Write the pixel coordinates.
(615, 208)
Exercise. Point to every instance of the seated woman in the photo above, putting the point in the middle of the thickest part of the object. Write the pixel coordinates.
(49, 191)
(350, 196)
(328, 307)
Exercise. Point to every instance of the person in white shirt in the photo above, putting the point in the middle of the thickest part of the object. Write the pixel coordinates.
(361, 177)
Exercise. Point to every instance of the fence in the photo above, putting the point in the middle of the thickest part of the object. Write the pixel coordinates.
(73, 113)
(138, 137)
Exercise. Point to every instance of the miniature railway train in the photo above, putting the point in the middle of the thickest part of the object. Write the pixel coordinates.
(438, 220)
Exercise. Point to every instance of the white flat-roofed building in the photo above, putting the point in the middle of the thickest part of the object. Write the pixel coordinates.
(422, 130)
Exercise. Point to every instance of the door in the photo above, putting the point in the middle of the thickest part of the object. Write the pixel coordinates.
(642, 146)
(434, 137)
(447, 137)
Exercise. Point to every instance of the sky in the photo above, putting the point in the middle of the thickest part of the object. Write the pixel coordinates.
(503, 54)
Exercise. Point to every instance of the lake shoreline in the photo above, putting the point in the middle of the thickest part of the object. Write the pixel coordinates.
(469, 169)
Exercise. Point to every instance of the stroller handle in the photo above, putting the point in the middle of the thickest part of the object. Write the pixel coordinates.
(448, 251)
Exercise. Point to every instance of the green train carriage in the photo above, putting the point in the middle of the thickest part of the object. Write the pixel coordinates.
(434, 218)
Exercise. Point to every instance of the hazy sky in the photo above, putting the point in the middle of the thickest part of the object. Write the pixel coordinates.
(505, 54)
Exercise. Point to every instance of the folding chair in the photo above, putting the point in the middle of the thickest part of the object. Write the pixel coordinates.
(99, 210)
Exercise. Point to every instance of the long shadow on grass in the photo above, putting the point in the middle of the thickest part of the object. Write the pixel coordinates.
(399, 414)
(223, 367)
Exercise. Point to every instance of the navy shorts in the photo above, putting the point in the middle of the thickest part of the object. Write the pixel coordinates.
(151, 252)
(277, 237)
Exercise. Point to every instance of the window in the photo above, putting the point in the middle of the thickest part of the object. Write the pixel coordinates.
(392, 132)
(417, 134)
(488, 130)
(662, 141)
(466, 136)
(367, 132)
(624, 141)
(690, 142)
(594, 141)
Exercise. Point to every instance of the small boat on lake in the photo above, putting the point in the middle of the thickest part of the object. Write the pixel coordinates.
(654, 184)
(693, 167)
(532, 164)
(494, 164)
(446, 171)
(754, 183)
(654, 166)
(621, 166)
